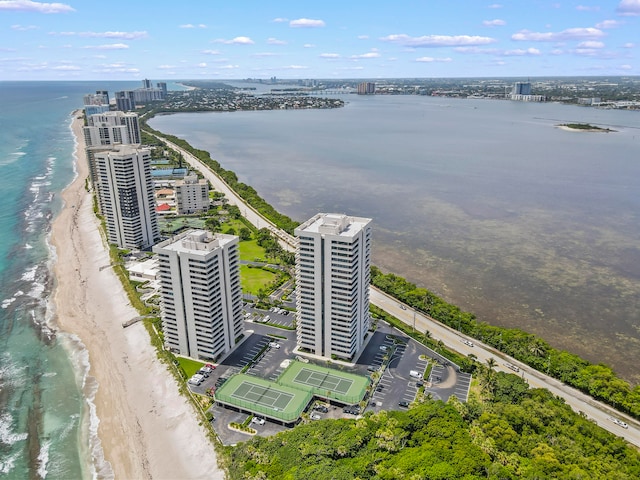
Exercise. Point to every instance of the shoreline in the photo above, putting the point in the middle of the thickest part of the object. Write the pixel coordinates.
(143, 423)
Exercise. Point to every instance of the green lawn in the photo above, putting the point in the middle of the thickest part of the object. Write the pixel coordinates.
(189, 366)
(253, 279)
(250, 250)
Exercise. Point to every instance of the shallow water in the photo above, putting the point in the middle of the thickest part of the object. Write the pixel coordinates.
(484, 202)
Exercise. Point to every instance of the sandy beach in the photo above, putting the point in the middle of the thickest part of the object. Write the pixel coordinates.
(146, 429)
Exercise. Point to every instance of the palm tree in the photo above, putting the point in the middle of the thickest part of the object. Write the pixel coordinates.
(491, 363)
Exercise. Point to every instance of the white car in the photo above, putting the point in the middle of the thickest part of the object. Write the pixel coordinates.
(315, 416)
(620, 423)
(257, 420)
(274, 345)
(468, 343)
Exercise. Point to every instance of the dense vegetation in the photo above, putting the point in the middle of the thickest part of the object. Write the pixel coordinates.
(507, 432)
(585, 126)
(599, 380)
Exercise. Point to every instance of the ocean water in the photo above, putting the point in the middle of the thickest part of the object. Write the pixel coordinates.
(47, 425)
(484, 202)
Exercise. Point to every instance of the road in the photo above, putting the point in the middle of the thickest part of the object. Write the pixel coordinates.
(453, 340)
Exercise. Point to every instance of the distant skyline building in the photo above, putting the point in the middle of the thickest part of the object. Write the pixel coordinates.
(126, 196)
(192, 195)
(521, 91)
(366, 88)
(521, 88)
(201, 293)
(333, 261)
(96, 102)
(106, 130)
(125, 101)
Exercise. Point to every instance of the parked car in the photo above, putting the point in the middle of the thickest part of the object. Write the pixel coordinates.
(315, 416)
(211, 366)
(196, 379)
(274, 345)
(203, 372)
(403, 404)
(321, 408)
(258, 420)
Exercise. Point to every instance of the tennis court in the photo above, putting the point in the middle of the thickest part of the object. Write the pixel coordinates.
(328, 383)
(260, 395)
(263, 397)
(323, 380)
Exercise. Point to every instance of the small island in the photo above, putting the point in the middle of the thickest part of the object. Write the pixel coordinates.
(583, 127)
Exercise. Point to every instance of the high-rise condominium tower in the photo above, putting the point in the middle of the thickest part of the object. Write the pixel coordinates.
(201, 294)
(125, 194)
(333, 262)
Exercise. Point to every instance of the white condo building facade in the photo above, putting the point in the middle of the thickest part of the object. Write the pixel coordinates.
(126, 196)
(201, 293)
(333, 261)
(192, 195)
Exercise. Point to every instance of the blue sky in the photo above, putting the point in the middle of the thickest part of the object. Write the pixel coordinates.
(134, 39)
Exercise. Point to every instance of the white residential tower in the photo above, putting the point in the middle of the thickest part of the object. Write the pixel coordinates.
(333, 261)
(201, 293)
(125, 194)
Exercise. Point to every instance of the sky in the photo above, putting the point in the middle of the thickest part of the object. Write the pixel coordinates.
(233, 39)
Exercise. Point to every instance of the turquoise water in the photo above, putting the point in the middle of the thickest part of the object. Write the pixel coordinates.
(46, 423)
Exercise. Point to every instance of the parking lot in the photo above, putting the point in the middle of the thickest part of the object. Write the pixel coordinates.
(396, 385)
(275, 315)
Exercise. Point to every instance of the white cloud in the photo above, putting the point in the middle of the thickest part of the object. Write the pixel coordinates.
(236, 41)
(557, 51)
(629, 8)
(306, 23)
(438, 40)
(591, 44)
(626, 67)
(475, 50)
(191, 25)
(568, 34)
(494, 23)
(366, 55)
(309, 45)
(279, 20)
(295, 67)
(432, 59)
(629, 45)
(265, 54)
(609, 24)
(275, 41)
(229, 67)
(519, 52)
(112, 35)
(67, 68)
(495, 5)
(111, 46)
(587, 8)
(363, 37)
(210, 52)
(201, 65)
(24, 28)
(329, 55)
(166, 67)
(38, 7)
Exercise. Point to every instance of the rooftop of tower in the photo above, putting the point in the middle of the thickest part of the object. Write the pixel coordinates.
(334, 224)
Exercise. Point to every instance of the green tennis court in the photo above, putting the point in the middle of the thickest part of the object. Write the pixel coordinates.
(257, 395)
(323, 381)
(260, 395)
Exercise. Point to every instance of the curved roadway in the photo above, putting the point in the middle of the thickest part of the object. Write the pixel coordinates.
(597, 411)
